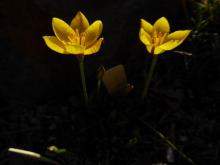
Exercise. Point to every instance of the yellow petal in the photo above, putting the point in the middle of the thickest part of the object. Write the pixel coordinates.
(178, 35)
(146, 26)
(62, 30)
(74, 49)
(157, 50)
(170, 44)
(162, 25)
(175, 39)
(80, 22)
(53, 43)
(94, 48)
(93, 32)
(144, 37)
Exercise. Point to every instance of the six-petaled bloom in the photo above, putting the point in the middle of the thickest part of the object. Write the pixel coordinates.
(157, 37)
(79, 38)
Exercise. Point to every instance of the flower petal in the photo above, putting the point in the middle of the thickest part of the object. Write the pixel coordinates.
(53, 43)
(94, 48)
(162, 25)
(170, 45)
(74, 49)
(80, 22)
(175, 39)
(157, 50)
(144, 37)
(146, 26)
(62, 30)
(93, 32)
(178, 35)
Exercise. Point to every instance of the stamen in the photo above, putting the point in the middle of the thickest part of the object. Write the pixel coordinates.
(72, 38)
(82, 39)
(158, 38)
(77, 36)
(163, 37)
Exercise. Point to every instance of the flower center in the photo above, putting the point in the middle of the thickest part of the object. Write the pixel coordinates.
(77, 38)
(82, 39)
(158, 38)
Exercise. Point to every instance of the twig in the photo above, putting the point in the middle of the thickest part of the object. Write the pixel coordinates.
(32, 155)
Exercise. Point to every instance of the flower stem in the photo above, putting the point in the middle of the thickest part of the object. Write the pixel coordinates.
(82, 73)
(149, 77)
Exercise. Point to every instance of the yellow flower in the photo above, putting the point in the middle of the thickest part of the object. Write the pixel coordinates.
(78, 38)
(157, 37)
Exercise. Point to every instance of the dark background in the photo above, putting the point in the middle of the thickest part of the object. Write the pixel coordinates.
(30, 71)
(40, 90)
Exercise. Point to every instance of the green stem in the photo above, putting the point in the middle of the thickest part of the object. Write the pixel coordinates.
(149, 77)
(82, 73)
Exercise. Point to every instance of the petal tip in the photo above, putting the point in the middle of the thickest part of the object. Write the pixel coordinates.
(99, 22)
(142, 20)
(46, 38)
(162, 25)
(163, 19)
(55, 19)
(79, 22)
(80, 13)
(188, 31)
